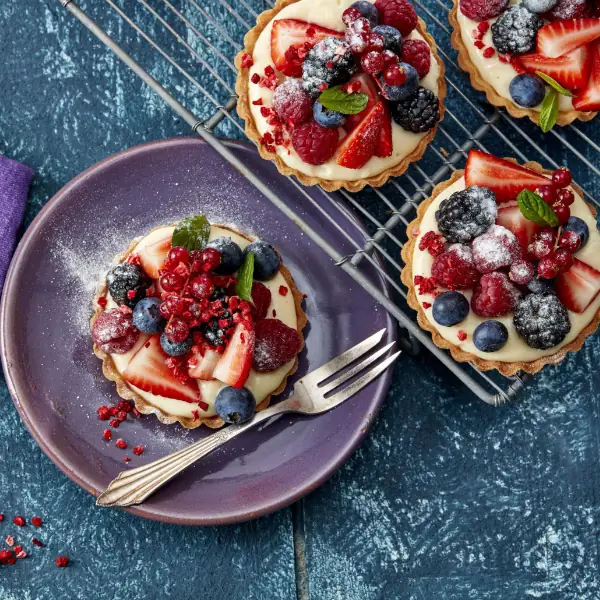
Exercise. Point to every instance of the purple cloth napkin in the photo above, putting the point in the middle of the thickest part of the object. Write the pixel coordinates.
(14, 187)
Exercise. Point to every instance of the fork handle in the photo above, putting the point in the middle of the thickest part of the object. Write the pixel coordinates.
(134, 486)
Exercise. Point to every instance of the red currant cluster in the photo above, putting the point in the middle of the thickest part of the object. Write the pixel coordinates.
(369, 47)
(554, 252)
(557, 195)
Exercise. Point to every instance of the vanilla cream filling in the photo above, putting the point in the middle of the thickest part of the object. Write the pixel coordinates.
(493, 70)
(260, 384)
(328, 13)
(515, 350)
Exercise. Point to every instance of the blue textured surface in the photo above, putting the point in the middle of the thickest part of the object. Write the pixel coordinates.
(449, 498)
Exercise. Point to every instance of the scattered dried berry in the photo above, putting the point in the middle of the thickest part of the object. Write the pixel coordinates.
(36, 542)
(37, 522)
(62, 561)
(19, 521)
(137, 450)
(120, 443)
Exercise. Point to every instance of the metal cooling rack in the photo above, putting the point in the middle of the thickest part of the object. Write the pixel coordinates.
(192, 37)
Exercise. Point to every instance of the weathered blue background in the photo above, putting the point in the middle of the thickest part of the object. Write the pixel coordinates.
(448, 498)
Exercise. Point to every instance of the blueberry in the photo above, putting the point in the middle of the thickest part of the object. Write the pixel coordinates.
(579, 226)
(396, 93)
(490, 336)
(176, 348)
(392, 38)
(527, 90)
(327, 118)
(266, 260)
(540, 286)
(367, 10)
(450, 308)
(235, 405)
(147, 317)
(231, 255)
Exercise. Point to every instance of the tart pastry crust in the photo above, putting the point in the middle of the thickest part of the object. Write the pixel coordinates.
(460, 355)
(215, 422)
(480, 84)
(331, 185)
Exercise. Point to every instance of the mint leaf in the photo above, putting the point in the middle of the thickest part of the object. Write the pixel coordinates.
(192, 233)
(534, 209)
(554, 84)
(245, 275)
(335, 98)
(549, 112)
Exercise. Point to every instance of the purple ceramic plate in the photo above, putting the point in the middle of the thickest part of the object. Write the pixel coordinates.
(57, 383)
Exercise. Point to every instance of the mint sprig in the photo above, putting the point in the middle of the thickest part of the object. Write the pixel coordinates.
(335, 98)
(554, 84)
(192, 233)
(245, 275)
(537, 211)
(549, 112)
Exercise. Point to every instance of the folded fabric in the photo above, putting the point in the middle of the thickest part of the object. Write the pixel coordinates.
(14, 187)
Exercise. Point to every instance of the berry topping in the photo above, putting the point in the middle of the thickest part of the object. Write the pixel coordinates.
(230, 254)
(563, 260)
(494, 295)
(466, 214)
(327, 118)
(541, 320)
(330, 62)
(512, 219)
(579, 226)
(450, 308)
(350, 15)
(455, 269)
(482, 10)
(261, 297)
(527, 90)
(392, 38)
(547, 268)
(490, 336)
(540, 286)
(395, 75)
(496, 248)
(588, 98)
(420, 112)
(367, 10)
(276, 344)
(203, 367)
(567, 9)
(561, 37)
(375, 42)
(516, 30)
(547, 193)
(397, 13)
(562, 212)
(176, 255)
(357, 35)
(266, 260)
(235, 406)
(578, 287)
(176, 348)
(372, 62)
(398, 82)
(147, 317)
(539, 6)
(540, 248)
(566, 197)
(171, 282)
(314, 143)
(365, 85)
(201, 287)
(570, 241)
(418, 54)
(521, 272)
(359, 146)
(234, 365)
(125, 278)
(432, 242)
(292, 103)
(113, 331)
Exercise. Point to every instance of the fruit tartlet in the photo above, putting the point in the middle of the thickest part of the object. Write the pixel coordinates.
(198, 324)
(536, 58)
(503, 265)
(338, 94)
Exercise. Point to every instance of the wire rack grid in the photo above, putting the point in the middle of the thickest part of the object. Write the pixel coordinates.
(190, 37)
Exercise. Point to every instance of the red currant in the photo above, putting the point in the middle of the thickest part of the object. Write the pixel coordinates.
(394, 75)
(547, 268)
(177, 330)
(390, 58)
(566, 197)
(547, 193)
(202, 287)
(546, 233)
(521, 272)
(562, 212)
(175, 304)
(570, 241)
(349, 15)
(375, 42)
(164, 310)
(372, 62)
(178, 254)
(562, 177)
(563, 259)
(540, 248)
(171, 282)
(210, 259)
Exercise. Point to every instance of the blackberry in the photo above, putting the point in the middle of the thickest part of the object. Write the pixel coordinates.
(219, 293)
(420, 112)
(541, 320)
(329, 63)
(467, 214)
(125, 278)
(515, 32)
(214, 334)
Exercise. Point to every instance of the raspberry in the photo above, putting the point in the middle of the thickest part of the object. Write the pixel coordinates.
(425, 285)
(495, 249)
(482, 10)
(275, 345)
(372, 62)
(292, 103)
(432, 242)
(261, 297)
(494, 296)
(113, 331)
(315, 144)
(397, 13)
(417, 54)
(454, 269)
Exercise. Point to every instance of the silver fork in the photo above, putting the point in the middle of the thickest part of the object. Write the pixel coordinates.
(310, 397)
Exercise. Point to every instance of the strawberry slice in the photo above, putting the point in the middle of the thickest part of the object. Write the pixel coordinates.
(561, 37)
(153, 256)
(291, 39)
(368, 87)
(205, 366)
(578, 287)
(588, 99)
(148, 371)
(359, 146)
(503, 177)
(512, 218)
(385, 145)
(234, 364)
(570, 70)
